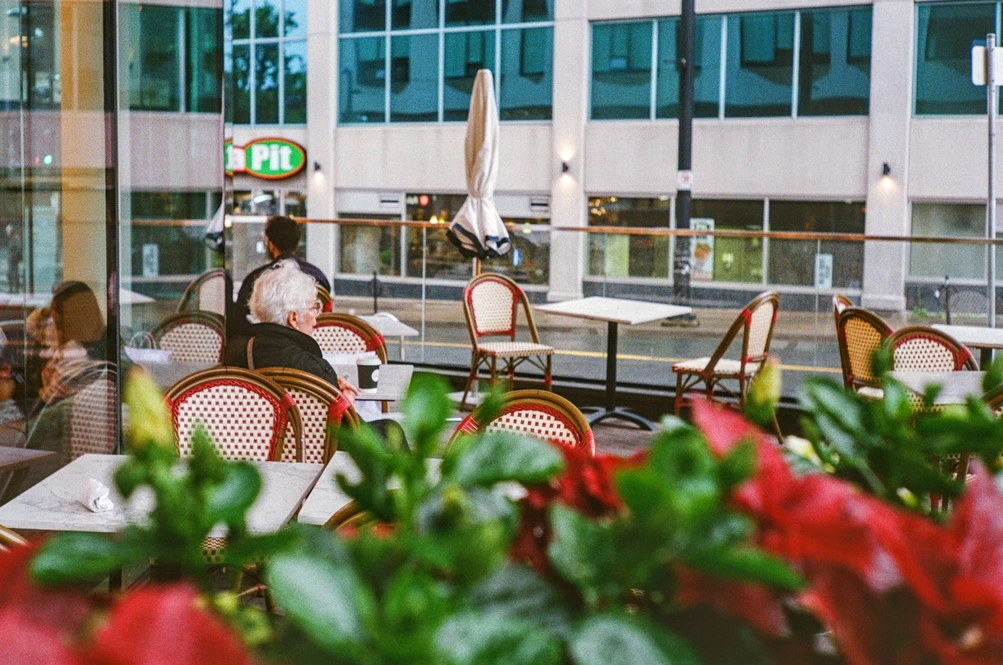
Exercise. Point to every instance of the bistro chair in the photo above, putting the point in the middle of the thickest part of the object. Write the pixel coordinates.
(10, 539)
(92, 413)
(490, 305)
(839, 303)
(859, 333)
(537, 413)
(206, 293)
(924, 349)
(967, 302)
(323, 410)
(192, 337)
(756, 323)
(324, 297)
(344, 333)
(246, 415)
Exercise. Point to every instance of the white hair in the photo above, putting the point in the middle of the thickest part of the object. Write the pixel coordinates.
(282, 289)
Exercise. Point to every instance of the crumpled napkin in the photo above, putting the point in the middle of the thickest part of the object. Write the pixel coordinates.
(96, 497)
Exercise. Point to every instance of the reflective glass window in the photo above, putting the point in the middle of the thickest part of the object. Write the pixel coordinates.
(706, 63)
(621, 70)
(470, 12)
(526, 74)
(793, 261)
(294, 18)
(361, 80)
(414, 75)
(203, 51)
(733, 259)
(951, 220)
(527, 11)
(441, 258)
(362, 15)
(266, 83)
(466, 53)
(154, 57)
(945, 36)
(295, 81)
(760, 64)
(835, 64)
(613, 255)
(240, 19)
(241, 84)
(414, 14)
(365, 249)
(266, 18)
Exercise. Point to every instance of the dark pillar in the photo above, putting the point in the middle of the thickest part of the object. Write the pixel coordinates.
(684, 63)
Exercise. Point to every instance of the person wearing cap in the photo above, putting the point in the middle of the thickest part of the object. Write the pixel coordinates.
(282, 237)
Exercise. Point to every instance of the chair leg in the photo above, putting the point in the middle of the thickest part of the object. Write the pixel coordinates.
(494, 370)
(548, 377)
(474, 364)
(679, 393)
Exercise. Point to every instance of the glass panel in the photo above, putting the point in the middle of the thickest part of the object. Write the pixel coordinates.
(266, 18)
(526, 74)
(295, 83)
(945, 36)
(706, 63)
(835, 70)
(159, 249)
(629, 255)
(760, 66)
(362, 80)
(241, 84)
(266, 84)
(951, 220)
(154, 57)
(444, 260)
(470, 12)
(203, 70)
(621, 70)
(466, 53)
(362, 15)
(365, 250)
(414, 78)
(294, 18)
(525, 11)
(735, 259)
(294, 205)
(240, 19)
(414, 14)
(793, 262)
(528, 262)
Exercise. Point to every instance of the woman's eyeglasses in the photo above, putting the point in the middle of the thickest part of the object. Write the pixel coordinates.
(317, 307)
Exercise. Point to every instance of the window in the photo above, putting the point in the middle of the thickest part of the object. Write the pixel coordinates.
(428, 73)
(760, 66)
(945, 36)
(952, 220)
(629, 255)
(365, 250)
(793, 261)
(179, 246)
(734, 259)
(835, 66)
(269, 61)
(621, 70)
(706, 63)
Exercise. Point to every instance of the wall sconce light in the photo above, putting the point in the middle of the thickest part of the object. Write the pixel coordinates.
(886, 169)
(316, 166)
(565, 167)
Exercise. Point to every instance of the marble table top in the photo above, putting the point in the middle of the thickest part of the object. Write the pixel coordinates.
(327, 498)
(388, 325)
(615, 310)
(979, 337)
(166, 374)
(956, 387)
(55, 503)
(391, 386)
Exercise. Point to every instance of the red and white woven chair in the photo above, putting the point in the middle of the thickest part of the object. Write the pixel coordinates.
(537, 413)
(245, 414)
(923, 349)
(324, 297)
(839, 303)
(206, 293)
(344, 333)
(92, 413)
(193, 337)
(490, 305)
(323, 410)
(756, 323)
(859, 333)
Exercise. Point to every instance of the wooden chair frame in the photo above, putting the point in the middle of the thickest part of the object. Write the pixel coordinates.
(371, 339)
(9, 539)
(287, 414)
(839, 303)
(855, 353)
(541, 358)
(963, 358)
(688, 378)
(340, 413)
(208, 319)
(193, 292)
(326, 302)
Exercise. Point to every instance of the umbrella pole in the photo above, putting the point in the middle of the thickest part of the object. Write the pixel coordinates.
(477, 266)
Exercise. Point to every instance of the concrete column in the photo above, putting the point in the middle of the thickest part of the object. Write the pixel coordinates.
(892, 58)
(322, 110)
(568, 206)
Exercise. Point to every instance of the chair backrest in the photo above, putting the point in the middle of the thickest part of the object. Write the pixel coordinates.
(195, 337)
(322, 410)
(994, 400)
(344, 333)
(923, 349)
(965, 301)
(246, 414)
(324, 297)
(490, 303)
(92, 413)
(859, 333)
(9, 539)
(206, 293)
(839, 303)
(537, 413)
(756, 322)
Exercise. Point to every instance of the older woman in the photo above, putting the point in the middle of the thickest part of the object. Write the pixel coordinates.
(284, 301)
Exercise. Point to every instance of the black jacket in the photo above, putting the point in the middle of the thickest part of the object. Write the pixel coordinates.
(280, 346)
(237, 323)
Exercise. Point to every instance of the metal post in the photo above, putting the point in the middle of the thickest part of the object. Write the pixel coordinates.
(376, 292)
(684, 64)
(991, 207)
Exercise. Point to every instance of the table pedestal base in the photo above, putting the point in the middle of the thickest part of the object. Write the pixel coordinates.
(596, 414)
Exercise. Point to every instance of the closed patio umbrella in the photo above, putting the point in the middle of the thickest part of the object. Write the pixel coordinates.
(477, 230)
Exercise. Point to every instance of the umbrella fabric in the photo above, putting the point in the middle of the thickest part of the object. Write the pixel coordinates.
(478, 230)
(214, 231)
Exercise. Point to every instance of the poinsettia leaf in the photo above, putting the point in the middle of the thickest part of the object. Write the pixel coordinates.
(229, 500)
(76, 557)
(582, 551)
(614, 639)
(502, 456)
(737, 465)
(471, 638)
(205, 463)
(516, 591)
(746, 564)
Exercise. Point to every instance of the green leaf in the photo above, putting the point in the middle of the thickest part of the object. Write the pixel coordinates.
(582, 551)
(204, 463)
(515, 591)
(476, 639)
(129, 475)
(738, 465)
(612, 639)
(76, 557)
(426, 408)
(500, 456)
(228, 501)
(746, 564)
(994, 374)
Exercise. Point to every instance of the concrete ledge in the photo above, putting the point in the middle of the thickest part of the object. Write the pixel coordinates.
(890, 303)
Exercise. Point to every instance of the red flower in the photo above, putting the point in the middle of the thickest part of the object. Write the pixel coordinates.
(753, 603)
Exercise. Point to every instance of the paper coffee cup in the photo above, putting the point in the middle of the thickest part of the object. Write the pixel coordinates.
(369, 374)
